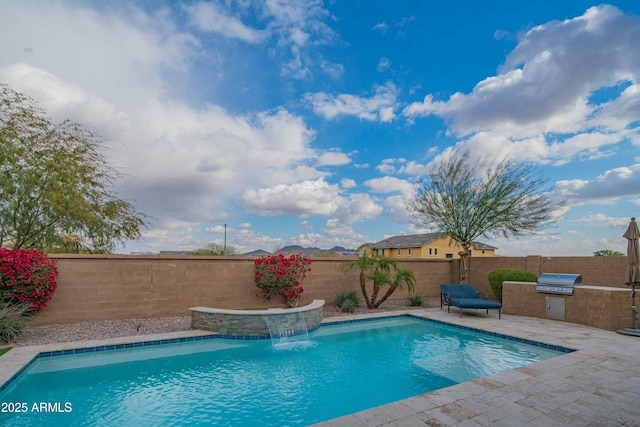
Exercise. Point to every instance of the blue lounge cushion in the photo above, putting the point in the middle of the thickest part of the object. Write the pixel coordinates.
(466, 296)
(474, 303)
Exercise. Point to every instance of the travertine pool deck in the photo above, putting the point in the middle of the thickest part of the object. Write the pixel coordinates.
(597, 385)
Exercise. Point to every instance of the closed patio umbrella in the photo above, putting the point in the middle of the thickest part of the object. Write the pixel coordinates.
(633, 278)
(632, 235)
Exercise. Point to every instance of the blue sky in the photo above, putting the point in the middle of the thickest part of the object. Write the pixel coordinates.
(310, 122)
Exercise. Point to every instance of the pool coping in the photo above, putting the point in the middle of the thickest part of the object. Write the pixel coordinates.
(516, 395)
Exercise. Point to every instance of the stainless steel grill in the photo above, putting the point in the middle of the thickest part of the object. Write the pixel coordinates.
(558, 283)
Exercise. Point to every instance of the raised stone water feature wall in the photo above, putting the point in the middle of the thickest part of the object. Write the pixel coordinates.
(250, 323)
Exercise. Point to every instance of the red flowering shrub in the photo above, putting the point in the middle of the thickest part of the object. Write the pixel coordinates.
(281, 275)
(26, 276)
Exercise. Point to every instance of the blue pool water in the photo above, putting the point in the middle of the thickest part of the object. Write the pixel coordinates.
(344, 368)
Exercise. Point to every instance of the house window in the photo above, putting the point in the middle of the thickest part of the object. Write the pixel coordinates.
(448, 256)
(430, 251)
(470, 252)
(409, 252)
(380, 252)
(435, 251)
(399, 251)
(483, 252)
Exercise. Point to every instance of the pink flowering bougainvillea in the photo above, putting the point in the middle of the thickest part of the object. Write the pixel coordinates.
(280, 275)
(26, 276)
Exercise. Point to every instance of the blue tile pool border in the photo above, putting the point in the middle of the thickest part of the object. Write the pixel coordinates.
(111, 347)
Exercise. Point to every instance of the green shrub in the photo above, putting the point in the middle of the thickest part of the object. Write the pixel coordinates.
(13, 318)
(416, 301)
(511, 275)
(347, 301)
(348, 306)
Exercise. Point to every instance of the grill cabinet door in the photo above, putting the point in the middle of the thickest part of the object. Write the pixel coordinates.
(555, 308)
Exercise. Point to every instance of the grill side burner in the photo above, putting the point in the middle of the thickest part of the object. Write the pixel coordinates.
(558, 283)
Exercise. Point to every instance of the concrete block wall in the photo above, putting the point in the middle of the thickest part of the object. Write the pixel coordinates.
(104, 287)
(608, 271)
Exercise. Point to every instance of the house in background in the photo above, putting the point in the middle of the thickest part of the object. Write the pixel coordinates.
(429, 245)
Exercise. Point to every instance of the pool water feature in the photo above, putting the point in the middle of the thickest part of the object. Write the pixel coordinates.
(351, 367)
(287, 328)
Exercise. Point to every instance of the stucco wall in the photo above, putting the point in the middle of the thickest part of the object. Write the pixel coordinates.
(603, 307)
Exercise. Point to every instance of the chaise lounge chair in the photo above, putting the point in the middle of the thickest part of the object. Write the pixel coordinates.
(466, 296)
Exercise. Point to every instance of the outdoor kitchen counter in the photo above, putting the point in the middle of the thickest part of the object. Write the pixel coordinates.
(602, 307)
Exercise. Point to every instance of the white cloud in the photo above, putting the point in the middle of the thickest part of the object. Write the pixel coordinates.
(413, 168)
(308, 198)
(544, 90)
(347, 183)
(218, 229)
(383, 65)
(341, 234)
(606, 188)
(381, 27)
(378, 107)
(607, 221)
(620, 112)
(210, 17)
(393, 166)
(302, 198)
(301, 25)
(397, 207)
(387, 166)
(333, 158)
(248, 238)
(390, 184)
(359, 207)
(62, 100)
(123, 53)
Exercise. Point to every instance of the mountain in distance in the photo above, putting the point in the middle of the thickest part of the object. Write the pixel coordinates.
(310, 251)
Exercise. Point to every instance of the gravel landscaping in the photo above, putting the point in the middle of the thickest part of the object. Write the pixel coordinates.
(81, 331)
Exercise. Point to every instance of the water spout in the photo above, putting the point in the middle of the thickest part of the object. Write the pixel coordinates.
(288, 330)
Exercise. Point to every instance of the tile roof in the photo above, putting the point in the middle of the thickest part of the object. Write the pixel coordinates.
(417, 241)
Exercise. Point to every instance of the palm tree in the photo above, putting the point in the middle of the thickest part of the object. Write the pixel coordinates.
(382, 272)
(402, 277)
(363, 263)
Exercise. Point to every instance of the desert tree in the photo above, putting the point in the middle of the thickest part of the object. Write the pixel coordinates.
(55, 185)
(471, 198)
(607, 252)
(215, 249)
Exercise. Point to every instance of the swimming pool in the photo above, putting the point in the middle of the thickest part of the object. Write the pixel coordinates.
(346, 367)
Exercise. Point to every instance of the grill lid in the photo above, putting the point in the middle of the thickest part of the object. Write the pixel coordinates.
(560, 279)
(558, 283)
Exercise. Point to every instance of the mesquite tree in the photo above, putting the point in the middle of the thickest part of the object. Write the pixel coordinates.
(469, 199)
(55, 184)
